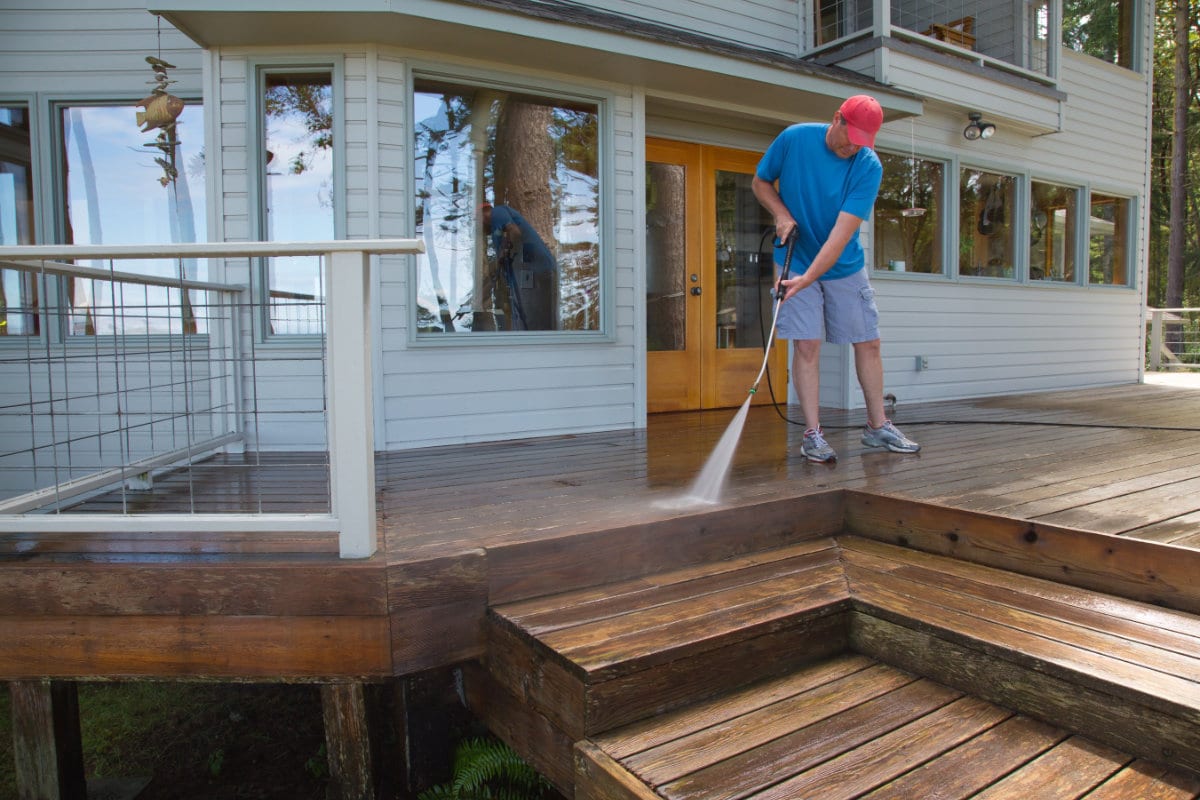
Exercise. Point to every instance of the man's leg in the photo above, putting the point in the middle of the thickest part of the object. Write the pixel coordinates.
(806, 377)
(868, 363)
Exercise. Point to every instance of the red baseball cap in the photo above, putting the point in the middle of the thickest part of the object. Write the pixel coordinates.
(863, 118)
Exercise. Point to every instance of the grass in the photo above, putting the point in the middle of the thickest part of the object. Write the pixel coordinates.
(197, 740)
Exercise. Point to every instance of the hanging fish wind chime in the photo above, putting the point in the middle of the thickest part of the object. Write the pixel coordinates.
(162, 109)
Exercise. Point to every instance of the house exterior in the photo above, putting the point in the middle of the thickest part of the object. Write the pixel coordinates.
(622, 134)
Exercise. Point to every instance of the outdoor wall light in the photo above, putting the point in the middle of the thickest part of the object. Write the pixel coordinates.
(977, 128)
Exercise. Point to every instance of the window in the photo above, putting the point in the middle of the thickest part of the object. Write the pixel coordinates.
(908, 215)
(1101, 28)
(508, 193)
(985, 230)
(833, 19)
(112, 193)
(1108, 240)
(18, 292)
(298, 195)
(1052, 224)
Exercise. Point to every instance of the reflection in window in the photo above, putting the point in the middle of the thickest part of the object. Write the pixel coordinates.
(18, 291)
(1108, 240)
(744, 280)
(666, 256)
(1101, 28)
(1052, 216)
(509, 209)
(298, 197)
(908, 215)
(113, 196)
(834, 19)
(985, 229)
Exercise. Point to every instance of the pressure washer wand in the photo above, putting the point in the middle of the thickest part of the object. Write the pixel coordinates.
(779, 293)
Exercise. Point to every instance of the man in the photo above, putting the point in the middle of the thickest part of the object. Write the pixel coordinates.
(528, 267)
(828, 177)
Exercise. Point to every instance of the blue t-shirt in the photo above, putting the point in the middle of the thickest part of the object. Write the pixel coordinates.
(534, 252)
(816, 185)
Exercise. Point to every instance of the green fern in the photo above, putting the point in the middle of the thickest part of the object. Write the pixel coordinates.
(488, 769)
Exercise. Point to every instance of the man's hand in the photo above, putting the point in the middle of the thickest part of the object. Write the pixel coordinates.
(793, 285)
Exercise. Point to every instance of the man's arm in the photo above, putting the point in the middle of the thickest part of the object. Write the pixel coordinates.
(827, 256)
(768, 196)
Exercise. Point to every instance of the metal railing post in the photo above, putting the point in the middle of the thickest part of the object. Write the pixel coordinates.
(1156, 339)
(350, 402)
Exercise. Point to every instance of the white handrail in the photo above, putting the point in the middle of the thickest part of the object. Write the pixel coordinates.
(66, 252)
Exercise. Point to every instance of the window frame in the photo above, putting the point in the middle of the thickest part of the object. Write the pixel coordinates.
(1137, 50)
(257, 70)
(1131, 228)
(1018, 226)
(38, 182)
(605, 102)
(1078, 241)
(947, 201)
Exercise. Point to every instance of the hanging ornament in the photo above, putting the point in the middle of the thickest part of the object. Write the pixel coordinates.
(162, 109)
(913, 210)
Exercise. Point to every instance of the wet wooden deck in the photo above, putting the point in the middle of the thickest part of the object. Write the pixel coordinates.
(1110, 460)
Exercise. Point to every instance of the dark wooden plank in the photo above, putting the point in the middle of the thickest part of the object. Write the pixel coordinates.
(984, 673)
(536, 739)
(1145, 780)
(728, 738)
(266, 587)
(553, 612)
(1068, 771)
(975, 624)
(774, 606)
(47, 745)
(811, 744)
(975, 764)
(347, 742)
(684, 681)
(1129, 618)
(885, 757)
(1146, 647)
(520, 571)
(251, 648)
(1143, 571)
(649, 733)
(437, 610)
(599, 777)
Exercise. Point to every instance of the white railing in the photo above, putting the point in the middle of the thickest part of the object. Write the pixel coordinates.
(161, 380)
(1173, 341)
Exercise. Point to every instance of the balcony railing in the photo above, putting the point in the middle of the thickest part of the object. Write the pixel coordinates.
(1173, 341)
(1012, 37)
(114, 379)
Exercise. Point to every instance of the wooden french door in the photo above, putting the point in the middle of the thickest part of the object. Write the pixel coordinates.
(708, 279)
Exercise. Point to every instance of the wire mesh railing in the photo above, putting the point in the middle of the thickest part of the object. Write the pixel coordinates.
(136, 401)
(1173, 339)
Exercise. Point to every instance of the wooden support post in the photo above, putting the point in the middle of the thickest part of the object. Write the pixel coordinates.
(47, 746)
(348, 742)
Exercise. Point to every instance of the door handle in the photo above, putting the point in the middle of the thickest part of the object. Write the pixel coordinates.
(696, 291)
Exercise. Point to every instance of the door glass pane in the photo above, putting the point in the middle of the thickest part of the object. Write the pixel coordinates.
(299, 193)
(744, 273)
(18, 292)
(666, 256)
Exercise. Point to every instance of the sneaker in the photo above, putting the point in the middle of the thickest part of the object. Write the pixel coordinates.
(815, 448)
(889, 436)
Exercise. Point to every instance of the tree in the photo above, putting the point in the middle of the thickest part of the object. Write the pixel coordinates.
(1179, 161)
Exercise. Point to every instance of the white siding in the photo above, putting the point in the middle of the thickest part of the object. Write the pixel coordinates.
(764, 24)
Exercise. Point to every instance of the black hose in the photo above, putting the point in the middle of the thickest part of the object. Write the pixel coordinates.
(770, 232)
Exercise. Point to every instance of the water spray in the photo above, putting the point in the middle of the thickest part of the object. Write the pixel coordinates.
(708, 485)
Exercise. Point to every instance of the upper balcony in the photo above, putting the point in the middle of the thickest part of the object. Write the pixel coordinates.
(965, 53)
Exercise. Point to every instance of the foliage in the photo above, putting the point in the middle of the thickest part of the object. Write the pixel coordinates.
(488, 769)
(1160, 159)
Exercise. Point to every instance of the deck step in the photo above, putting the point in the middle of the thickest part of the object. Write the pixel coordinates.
(604, 656)
(851, 727)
